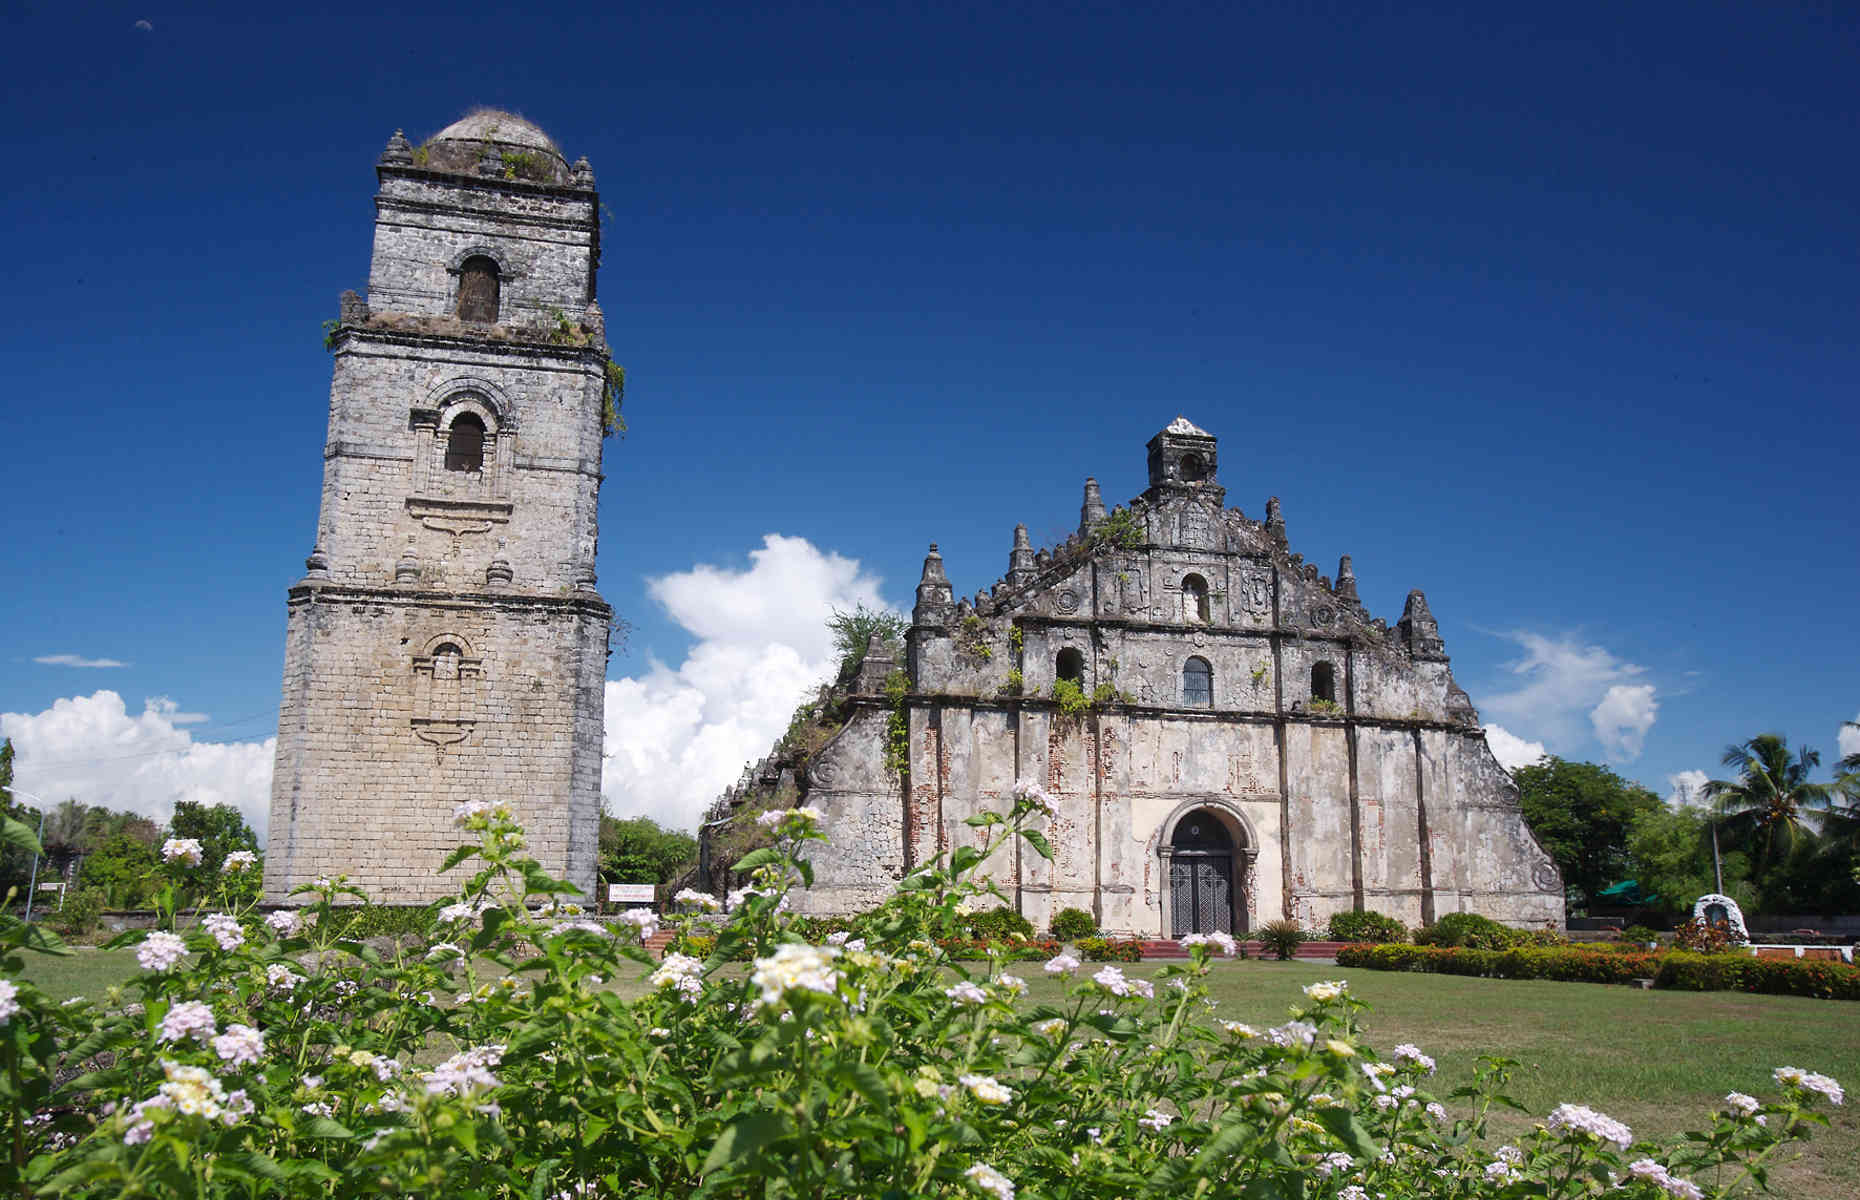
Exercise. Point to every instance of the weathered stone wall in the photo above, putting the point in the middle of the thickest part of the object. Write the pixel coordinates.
(447, 643)
(1383, 795)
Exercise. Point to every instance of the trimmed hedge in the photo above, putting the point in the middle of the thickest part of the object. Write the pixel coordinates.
(976, 949)
(1469, 929)
(1677, 970)
(1097, 949)
(1071, 924)
(1366, 926)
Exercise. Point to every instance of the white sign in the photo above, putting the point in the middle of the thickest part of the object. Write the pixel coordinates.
(630, 893)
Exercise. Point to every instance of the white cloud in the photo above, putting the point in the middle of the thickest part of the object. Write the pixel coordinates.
(1623, 718)
(89, 747)
(1510, 750)
(76, 660)
(1847, 741)
(677, 736)
(1684, 789)
(1561, 681)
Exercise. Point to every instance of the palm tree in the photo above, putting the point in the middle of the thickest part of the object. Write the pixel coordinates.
(72, 830)
(1766, 805)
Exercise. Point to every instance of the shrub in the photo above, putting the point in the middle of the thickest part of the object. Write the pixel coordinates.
(1570, 964)
(997, 924)
(1365, 926)
(81, 913)
(1282, 937)
(273, 1057)
(1685, 971)
(1704, 937)
(359, 921)
(1007, 950)
(1071, 924)
(1640, 933)
(1097, 949)
(1468, 929)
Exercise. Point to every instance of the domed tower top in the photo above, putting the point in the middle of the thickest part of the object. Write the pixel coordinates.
(490, 141)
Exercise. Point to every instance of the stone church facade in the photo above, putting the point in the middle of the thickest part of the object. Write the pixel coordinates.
(446, 642)
(1259, 746)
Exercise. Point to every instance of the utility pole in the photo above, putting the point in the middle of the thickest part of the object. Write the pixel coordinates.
(1717, 868)
(32, 884)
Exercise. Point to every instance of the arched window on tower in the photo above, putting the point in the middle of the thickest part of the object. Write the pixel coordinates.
(1070, 665)
(1195, 600)
(446, 661)
(465, 444)
(1194, 470)
(1197, 683)
(1324, 682)
(478, 290)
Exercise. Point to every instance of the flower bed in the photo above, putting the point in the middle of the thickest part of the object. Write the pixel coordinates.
(1668, 969)
(282, 1056)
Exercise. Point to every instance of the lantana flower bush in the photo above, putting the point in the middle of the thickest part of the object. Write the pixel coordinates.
(277, 1055)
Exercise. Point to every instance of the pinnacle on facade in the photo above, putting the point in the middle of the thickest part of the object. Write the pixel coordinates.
(1275, 518)
(399, 151)
(935, 600)
(1346, 581)
(1419, 631)
(1020, 559)
(1092, 511)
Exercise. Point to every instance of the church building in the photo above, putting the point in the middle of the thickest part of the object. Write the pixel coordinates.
(1230, 736)
(446, 642)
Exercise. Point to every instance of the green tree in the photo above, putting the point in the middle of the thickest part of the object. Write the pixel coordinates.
(853, 632)
(1765, 809)
(15, 860)
(1580, 812)
(72, 830)
(640, 850)
(125, 869)
(1669, 852)
(220, 830)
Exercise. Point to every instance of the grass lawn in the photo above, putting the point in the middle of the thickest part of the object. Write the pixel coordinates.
(1660, 1061)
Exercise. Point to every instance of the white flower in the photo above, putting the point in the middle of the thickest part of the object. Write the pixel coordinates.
(680, 972)
(642, 919)
(1335, 1161)
(1653, 1172)
(1222, 941)
(185, 850)
(463, 815)
(461, 911)
(1437, 1113)
(1353, 1192)
(9, 1000)
(1051, 1027)
(838, 939)
(697, 899)
(966, 994)
(1501, 1172)
(1012, 984)
(795, 967)
(1742, 1105)
(990, 1180)
(1330, 989)
(1027, 789)
(1577, 1119)
(225, 930)
(791, 820)
(1292, 1033)
(1155, 1119)
(1112, 980)
(1809, 1081)
(285, 922)
(1407, 1052)
(465, 1072)
(987, 1089)
(240, 1045)
(281, 978)
(1239, 1029)
(160, 951)
(317, 1108)
(239, 860)
(190, 1018)
(1061, 964)
(1143, 988)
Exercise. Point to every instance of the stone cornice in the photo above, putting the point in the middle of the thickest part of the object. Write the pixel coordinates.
(318, 591)
(486, 183)
(1238, 716)
(593, 356)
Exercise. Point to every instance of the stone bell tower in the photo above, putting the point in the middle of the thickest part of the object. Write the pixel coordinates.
(446, 642)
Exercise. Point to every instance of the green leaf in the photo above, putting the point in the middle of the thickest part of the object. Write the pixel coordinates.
(964, 858)
(545, 1175)
(456, 857)
(1038, 841)
(757, 858)
(323, 1127)
(1344, 1126)
(19, 834)
(254, 1163)
(865, 1079)
(745, 1135)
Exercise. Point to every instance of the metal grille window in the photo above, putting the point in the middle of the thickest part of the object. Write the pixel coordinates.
(478, 291)
(1198, 683)
(465, 444)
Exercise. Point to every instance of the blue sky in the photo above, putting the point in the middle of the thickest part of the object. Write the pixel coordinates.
(1550, 315)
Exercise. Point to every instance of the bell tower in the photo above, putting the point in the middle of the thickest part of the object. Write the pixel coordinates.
(446, 642)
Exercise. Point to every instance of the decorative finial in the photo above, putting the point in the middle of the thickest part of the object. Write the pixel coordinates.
(317, 565)
(1020, 559)
(1346, 581)
(399, 152)
(407, 570)
(581, 174)
(1275, 519)
(1092, 510)
(499, 571)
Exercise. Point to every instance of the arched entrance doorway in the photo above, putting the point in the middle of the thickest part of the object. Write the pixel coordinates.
(1201, 856)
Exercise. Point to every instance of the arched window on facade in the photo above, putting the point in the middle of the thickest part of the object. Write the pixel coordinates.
(446, 661)
(1070, 665)
(465, 444)
(1195, 600)
(1324, 682)
(1197, 683)
(478, 291)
